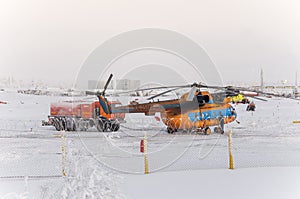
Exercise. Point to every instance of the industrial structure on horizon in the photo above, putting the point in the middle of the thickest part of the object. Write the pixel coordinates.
(121, 84)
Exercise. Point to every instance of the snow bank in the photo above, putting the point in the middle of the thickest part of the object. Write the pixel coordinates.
(87, 178)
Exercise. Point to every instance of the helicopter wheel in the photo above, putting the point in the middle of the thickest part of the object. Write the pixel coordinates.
(222, 125)
(170, 130)
(207, 131)
(218, 130)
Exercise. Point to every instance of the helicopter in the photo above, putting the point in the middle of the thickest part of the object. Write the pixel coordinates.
(196, 110)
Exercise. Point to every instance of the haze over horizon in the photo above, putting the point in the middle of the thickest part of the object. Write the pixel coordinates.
(49, 40)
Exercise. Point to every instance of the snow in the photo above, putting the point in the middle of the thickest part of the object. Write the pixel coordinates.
(266, 153)
(250, 183)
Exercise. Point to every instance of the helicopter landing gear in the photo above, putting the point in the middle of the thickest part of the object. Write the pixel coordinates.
(207, 131)
(171, 130)
(218, 130)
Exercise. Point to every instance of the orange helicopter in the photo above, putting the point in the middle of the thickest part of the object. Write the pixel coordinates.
(196, 110)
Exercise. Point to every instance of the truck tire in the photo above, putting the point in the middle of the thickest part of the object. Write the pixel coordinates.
(70, 124)
(62, 123)
(57, 125)
(74, 126)
(115, 126)
(101, 125)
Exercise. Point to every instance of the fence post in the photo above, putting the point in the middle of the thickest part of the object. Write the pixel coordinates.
(63, 148)
(146, 154)
(231, 166)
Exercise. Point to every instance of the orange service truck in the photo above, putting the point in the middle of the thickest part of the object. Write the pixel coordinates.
(81, 115)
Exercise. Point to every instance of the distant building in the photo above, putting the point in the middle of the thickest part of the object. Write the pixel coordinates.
(261, 80)
(127, 84)
(122, 84)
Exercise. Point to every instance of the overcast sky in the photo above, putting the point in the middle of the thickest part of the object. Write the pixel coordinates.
(49, 40)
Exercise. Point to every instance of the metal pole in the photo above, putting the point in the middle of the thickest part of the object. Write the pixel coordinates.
(146, 154)
(231, 166)
(63, 148)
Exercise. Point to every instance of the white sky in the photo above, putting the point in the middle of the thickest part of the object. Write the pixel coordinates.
(49, 40)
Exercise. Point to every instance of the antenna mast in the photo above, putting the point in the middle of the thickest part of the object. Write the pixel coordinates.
(261, 80)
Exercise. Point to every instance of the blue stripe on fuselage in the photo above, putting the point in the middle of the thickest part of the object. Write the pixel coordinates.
(212, 114)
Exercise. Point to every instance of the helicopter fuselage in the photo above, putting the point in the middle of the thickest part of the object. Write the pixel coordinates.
(176, 114)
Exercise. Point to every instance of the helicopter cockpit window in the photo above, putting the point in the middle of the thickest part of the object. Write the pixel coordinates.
(202, 99)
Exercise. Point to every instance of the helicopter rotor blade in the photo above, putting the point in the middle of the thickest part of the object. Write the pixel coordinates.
(236, 89)
(213, 87)
(152, 88)
(234, 92)
(92, 93)
(170, 87)
(105, 87)
(162, 93)
(260, 92)
(87, 98)
(107, 83)
(258, 98)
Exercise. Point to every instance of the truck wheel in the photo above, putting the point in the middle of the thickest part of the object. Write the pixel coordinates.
(115, 126)
(101, 126)
(57, 125)
(62, 123)
(74, 127)
(69, 124)
(83, 128)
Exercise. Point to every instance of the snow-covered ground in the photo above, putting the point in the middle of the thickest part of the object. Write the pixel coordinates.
(266, 150)
(275, 183)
